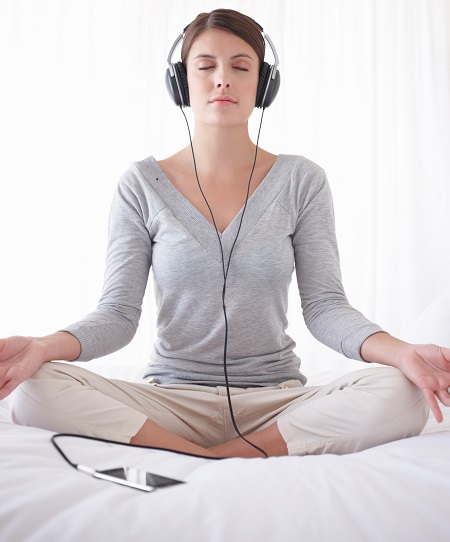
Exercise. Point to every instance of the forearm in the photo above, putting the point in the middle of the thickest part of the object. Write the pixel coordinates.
(385, 349)
(58, 346)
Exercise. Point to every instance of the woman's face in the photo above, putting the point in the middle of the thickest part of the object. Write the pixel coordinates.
(223, 72)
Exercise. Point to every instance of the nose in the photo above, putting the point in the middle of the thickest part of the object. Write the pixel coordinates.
(222, 78)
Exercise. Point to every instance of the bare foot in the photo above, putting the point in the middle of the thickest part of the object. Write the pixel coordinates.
(269, 440)
(152, 434)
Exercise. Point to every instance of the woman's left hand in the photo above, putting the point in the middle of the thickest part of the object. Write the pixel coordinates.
(426, 365)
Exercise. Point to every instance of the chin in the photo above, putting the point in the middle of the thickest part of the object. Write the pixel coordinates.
(227, 119)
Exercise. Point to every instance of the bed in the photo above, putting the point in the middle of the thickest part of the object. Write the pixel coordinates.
(395, 492)
(392, 493)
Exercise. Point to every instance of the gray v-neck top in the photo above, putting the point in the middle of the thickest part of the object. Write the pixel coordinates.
(288, 226)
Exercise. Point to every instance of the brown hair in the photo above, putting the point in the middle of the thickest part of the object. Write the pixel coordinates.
(225, 19)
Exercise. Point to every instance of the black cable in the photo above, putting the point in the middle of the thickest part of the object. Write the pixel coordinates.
(119, 475)
(89, 470)
(128, 444)
(225, 271)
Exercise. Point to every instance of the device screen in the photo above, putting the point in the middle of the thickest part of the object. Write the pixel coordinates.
(136, 478)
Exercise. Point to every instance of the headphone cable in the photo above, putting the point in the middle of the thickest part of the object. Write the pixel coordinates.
(226, 269)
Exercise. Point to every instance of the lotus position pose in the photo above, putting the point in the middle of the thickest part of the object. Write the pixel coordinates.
(222, 366)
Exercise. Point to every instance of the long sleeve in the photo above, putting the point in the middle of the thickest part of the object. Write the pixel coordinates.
(114, 323)
(327, 312)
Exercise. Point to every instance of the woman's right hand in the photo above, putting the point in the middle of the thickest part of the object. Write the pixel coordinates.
(21, 357)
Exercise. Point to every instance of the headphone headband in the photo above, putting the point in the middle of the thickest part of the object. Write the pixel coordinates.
(268, 83)
(172, 49)
(265, 36)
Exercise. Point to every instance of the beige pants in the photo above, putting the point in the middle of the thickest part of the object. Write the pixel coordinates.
(359, 410)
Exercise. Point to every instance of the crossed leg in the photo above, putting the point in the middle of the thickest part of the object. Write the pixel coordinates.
(359, 410)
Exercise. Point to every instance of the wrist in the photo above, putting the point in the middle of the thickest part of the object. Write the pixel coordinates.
(385, 349)
(58, 346)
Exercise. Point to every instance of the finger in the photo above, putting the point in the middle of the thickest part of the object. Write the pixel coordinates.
(432, 401)
(444, 396)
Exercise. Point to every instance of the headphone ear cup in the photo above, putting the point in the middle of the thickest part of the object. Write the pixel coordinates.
(182, 77)
(172, 87)
(262, 83)
(177, 84)
(267, 87)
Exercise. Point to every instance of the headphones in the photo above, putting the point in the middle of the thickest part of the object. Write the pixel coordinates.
(268, 83)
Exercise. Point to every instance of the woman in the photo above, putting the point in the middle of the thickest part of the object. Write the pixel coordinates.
(213, 256)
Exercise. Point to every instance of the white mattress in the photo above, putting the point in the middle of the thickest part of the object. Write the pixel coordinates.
(396, 492)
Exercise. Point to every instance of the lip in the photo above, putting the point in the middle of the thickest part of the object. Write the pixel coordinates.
(223, 99)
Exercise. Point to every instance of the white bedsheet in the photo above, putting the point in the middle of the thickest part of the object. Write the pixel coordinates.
(396, 492)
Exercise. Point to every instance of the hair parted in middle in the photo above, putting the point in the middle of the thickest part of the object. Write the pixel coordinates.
(229, 20)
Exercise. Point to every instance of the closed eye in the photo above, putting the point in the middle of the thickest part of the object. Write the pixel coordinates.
(240, 68)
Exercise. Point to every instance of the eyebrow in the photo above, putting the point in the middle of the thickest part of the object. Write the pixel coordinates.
(238, 55)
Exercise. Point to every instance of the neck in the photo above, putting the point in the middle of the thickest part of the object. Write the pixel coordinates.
(223, 148)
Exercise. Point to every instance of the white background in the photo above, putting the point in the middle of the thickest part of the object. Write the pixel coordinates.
(365, 93)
